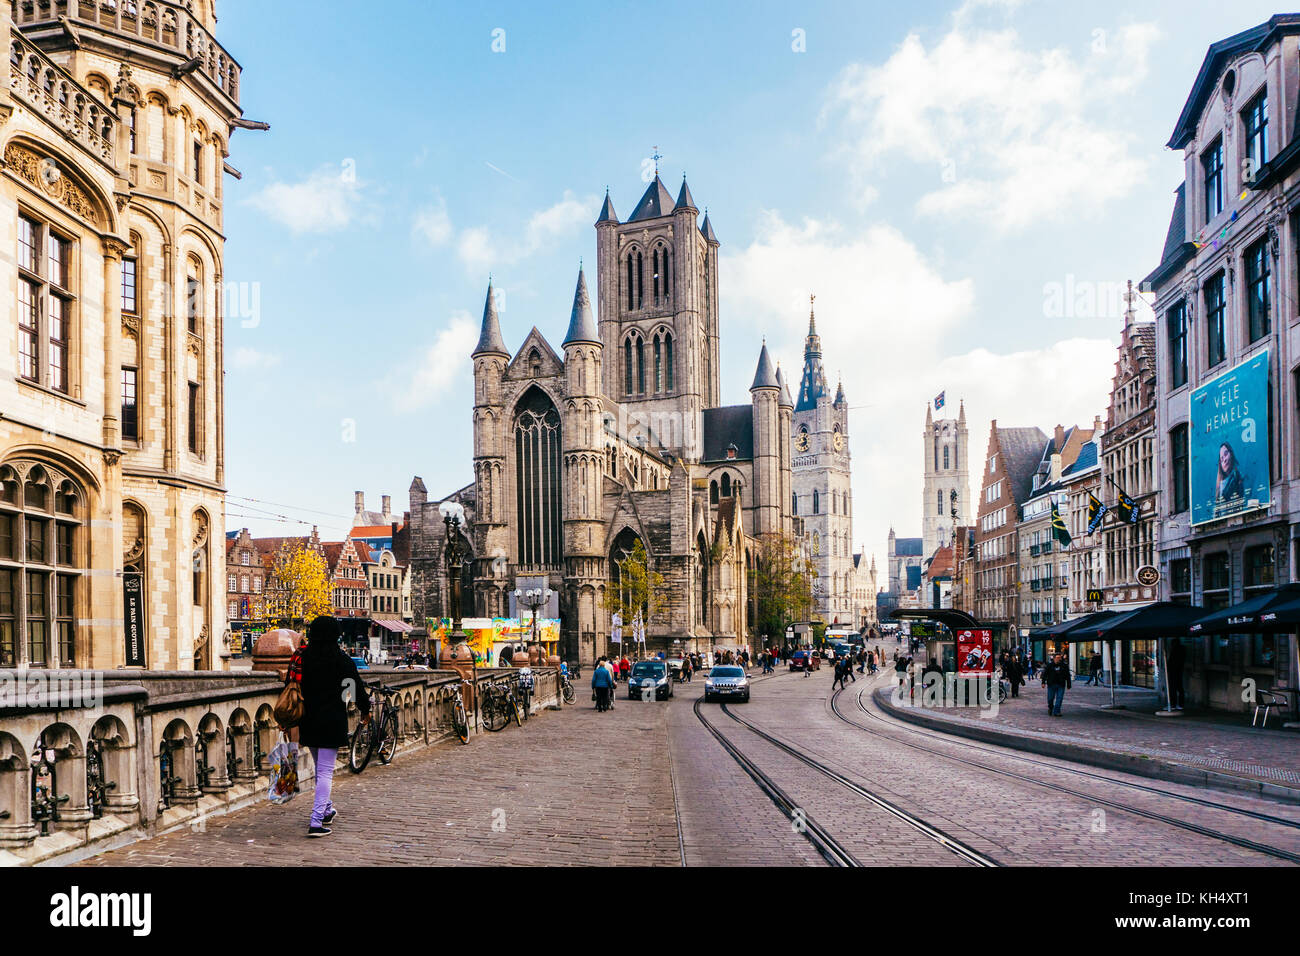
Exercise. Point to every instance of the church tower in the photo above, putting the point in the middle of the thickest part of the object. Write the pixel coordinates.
(945, 497)
(822, 483)
(584, 465)
(490, 423)
(658, 314)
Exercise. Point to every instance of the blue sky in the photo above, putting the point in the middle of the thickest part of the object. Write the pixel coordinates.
(930, 170)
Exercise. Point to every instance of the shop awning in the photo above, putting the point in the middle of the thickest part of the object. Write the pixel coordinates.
(397, 627)
(1077, 629)
(1160, 619)
(1274, 610)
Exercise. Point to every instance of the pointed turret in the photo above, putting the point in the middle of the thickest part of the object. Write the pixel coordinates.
(582, 326)
(607, 213)
(929, 417)
(961, 411)
(656, 202)
(489, 340)
(706, 229)
(765, 376)
(684, 200)
(786, 401)
(812, 388)
(839, 395)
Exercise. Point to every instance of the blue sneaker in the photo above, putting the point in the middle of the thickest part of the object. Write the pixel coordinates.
(329, 817)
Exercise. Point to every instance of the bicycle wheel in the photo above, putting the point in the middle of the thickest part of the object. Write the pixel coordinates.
(388, 740)
(495, 714)
(459, 721)
(570, 695)
(360, 748)
(516, 710)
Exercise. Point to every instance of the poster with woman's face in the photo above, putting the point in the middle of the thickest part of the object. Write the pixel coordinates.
(1228, 443)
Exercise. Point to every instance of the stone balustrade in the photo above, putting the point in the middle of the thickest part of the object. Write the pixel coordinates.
(50, 90)
(156, 22)
(91, 760)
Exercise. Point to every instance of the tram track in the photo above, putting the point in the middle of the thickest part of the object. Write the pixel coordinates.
(1242, 842)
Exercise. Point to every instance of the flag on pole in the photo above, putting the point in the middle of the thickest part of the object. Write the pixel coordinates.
(1059, 531)
(616, 628)
(938, 401)
(1127, 509)
(1096, 511)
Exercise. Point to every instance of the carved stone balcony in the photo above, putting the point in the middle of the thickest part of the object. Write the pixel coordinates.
(157, 23)
(48, 89)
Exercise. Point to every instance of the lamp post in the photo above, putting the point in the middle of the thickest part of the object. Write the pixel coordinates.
(453, 517)
(534, 598)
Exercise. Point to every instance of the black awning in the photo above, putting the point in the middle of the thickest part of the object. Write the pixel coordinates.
(1066, 630)
(1274, 610)
(948, 617)
(1161, 619)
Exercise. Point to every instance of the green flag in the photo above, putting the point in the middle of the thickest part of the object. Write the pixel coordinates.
(1058, 527)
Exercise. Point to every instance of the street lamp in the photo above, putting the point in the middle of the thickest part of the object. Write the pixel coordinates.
(534, 598)
(453, 517)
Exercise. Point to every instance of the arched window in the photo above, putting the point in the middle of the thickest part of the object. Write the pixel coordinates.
(537, 480)
(41, 514)
(726, 485)
(713, 492)
(817, 502)
(945, 456)
(623, 546)
(631, 284)
(702, 579)
(640, 281)
(535, 363)
(794, 503)
(939, 505)
(627, 366)
(816, 538)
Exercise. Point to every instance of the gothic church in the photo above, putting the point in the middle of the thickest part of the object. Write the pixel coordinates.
(619, 436)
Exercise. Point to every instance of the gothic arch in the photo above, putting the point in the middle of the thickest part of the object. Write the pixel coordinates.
(537, 480)
(72, 191)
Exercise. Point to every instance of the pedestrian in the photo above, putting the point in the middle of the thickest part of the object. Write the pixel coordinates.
(1056, 676)
(602, 685)
(862, 661)
(329, 680)
(686, 669)
(900, 669)
(624, 668)
(1176, 656)
(1011, 671)
(1094, 669)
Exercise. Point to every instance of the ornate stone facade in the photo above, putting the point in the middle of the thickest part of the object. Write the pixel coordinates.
(114, 124)
(617, 437)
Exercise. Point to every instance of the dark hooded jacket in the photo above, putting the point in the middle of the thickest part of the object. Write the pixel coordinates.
(329, 679)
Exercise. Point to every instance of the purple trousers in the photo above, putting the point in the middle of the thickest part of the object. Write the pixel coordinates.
(323, 758)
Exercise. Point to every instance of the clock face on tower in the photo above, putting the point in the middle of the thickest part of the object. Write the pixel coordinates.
(838, 442)
(801, 441)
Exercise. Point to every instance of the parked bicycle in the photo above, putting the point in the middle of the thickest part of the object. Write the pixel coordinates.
(459, 719)
(499, 703)
(378, 733)
(566, 688)
(523, 684)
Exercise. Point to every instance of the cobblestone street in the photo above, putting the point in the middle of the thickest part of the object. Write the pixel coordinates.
(647, 784)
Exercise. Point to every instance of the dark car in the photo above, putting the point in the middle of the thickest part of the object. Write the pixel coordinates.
(727, 682)
(650, 677)
(801, 660)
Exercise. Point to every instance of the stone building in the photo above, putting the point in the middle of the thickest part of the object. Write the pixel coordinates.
(619, 436)
(822, 476)
(115, 121)
(244, 577)
(349, 589)
(1225, 298)
(1129, 452)
(945, 495)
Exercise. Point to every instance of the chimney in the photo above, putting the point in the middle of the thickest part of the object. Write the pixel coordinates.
(387, 501)
(359, 499)
(1060, 438)
(1056, 466)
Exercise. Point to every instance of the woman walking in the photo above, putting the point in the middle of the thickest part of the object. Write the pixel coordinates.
(329, 679)
(602, 683)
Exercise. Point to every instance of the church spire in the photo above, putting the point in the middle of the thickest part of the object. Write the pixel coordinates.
(582, 327)
(607, 213)
(812, 388)
(489, 340)
(684, 198)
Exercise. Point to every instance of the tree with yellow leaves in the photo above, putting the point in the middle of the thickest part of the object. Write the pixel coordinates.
(299, 586)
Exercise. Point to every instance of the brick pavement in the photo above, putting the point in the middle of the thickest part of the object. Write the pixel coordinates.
(1223, 744)
(569, 787)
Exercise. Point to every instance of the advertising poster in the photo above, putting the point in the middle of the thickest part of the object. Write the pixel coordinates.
(975, 651)
(1228, 443)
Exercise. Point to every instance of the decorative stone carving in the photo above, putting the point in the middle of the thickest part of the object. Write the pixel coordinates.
(36, 170)
(131, 325)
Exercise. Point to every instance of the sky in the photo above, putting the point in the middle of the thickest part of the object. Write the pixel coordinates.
(964, 187)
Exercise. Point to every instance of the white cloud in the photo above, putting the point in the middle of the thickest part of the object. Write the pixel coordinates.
(1012, 135)
(432, 224)
(326, 201)
(479, 250)
(245, 357)
(884, 314)
(438, 372)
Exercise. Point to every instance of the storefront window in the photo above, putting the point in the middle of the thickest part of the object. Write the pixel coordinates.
(1142, 662)
(1263, 650)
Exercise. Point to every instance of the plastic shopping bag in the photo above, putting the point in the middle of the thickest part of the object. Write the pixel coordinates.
(284, 772)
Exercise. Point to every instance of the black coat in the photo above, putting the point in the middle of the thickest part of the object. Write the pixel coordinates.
(326, 673)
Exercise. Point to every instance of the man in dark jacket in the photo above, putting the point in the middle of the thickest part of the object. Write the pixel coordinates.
(1056, 676)
(1012, 672)
(329, 680)
(1176, 657)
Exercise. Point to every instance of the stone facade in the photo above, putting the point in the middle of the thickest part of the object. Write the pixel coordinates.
(822, 477)
(617, 437)
(945, 494)
(115, 133)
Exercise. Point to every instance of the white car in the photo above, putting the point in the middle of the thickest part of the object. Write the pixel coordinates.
(727, 682)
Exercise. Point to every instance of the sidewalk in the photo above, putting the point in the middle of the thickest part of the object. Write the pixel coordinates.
(1211, 749)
